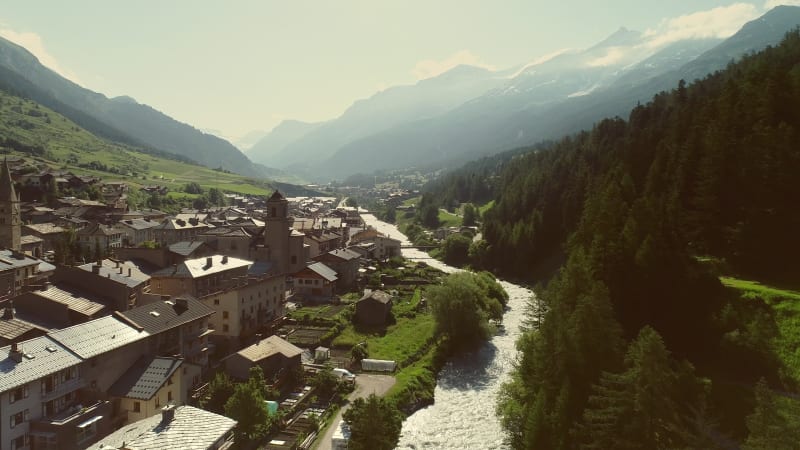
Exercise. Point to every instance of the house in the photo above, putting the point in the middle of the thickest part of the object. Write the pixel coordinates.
(322, 241)
(386, 247)
(148, 385)
(121, 284)
(32, 245)
(315, 283)
(231, 241)
(246, 296)
(40, 377)
(136, 231)
(345, 262)
(17, 270)
(98, 237)
(60, 305)
(176, 428)
(178, 326)
(374, 308)
(175, 230)
(275, 356)
(48, 232)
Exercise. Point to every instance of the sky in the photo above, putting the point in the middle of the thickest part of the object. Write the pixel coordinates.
(243, 65)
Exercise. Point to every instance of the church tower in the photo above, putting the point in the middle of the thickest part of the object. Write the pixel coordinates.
(276, 235)
(10, 219)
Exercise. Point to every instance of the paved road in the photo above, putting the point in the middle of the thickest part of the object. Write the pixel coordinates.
(366, 384)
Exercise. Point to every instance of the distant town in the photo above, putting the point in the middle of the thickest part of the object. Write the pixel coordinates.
(114, 320)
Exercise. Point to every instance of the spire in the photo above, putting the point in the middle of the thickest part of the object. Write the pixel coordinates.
(276, 196)
(7, 192)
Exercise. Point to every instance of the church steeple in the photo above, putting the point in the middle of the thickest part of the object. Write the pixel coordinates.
(10, 220)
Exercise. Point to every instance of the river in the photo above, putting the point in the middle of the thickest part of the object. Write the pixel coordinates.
(463, 415)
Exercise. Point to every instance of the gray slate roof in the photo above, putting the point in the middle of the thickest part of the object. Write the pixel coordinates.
(43, 362)
(164, 315)
(185, 248)
(378, 296)
(138, 224)
(143, 380)
(110, 271)
(76, 300)
(344, 254)
(11, 260)
(92, 338)
(191, 429)
(15, 327)
(324, 271)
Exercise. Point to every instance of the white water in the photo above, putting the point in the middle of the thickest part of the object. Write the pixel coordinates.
(463, 415)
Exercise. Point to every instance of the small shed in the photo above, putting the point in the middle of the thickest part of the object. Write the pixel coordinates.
(378, 365)
(322, 354)
(374, 308)
(273, 354)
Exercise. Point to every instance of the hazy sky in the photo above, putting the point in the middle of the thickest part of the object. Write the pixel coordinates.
(239, 65)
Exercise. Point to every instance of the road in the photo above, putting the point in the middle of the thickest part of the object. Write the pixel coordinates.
(366, 384)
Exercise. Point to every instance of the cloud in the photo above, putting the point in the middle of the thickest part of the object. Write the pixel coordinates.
(720, 22)
(34, 44)
(612, 56)
(429, 68)
(769, 4)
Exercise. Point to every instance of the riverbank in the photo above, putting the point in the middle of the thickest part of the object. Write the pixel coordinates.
(465, 386)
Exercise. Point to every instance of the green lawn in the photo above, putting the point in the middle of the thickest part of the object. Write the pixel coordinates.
(483, 208)
(786, 304)
(448, 220)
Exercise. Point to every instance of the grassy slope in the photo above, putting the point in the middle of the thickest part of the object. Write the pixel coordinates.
(65, 141)
(786, 304)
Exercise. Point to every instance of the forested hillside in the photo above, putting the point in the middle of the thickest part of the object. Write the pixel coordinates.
(637, 207)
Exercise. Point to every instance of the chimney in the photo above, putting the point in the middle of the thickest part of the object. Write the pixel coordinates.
(96, 269)
(209, 261)
(167, 414)
(181, 302)
(129, 272)
(120, 270)
(225, 259)
(16, 352)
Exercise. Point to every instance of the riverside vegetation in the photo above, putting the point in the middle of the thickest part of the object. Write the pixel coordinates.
(642, 345)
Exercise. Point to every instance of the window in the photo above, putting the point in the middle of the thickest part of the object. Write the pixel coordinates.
(224, 314)
(18, 418)
(225, 328)
(18, 394)
(137, 407)
(158, 402)
(216, 301)
(21, 441)
(169, 396)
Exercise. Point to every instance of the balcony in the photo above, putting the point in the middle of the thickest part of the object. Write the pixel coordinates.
(62, 389)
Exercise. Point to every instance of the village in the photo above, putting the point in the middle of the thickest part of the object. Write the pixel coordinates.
(114, 322)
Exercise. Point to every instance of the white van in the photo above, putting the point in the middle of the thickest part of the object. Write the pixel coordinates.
(344, 374)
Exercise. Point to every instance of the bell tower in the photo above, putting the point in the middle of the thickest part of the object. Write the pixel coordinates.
(10, 219)
(276, 235)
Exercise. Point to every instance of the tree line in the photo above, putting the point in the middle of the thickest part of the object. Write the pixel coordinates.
(631, 343)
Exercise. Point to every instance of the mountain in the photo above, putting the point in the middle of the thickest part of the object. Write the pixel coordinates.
(548, 99)
(386, 109)
(122, 119)
(646, 215)
(246, 142)
(273, 143)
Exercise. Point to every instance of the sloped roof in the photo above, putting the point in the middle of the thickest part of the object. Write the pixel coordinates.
(42, 362)
(76, 300)
(276, 196)
(378, 296)
(109, 270)
(191, 429)
(185, 248)
(138, 224)
(98, 336)
(144, 379)
(198, 267)
(345, 254)
(267, 347)
(164, 315)
(12, 260)
(15, 327)
(44, 228)
(323, 271)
